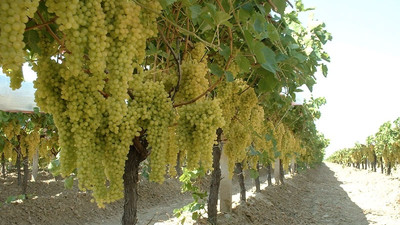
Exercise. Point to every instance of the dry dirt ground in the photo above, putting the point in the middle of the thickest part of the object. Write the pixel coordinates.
(327, 194)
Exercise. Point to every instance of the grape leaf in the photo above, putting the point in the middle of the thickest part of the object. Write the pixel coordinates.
(69, 182)
(165, 3)
(215, 69)
(254, 173)
(229, 76)
(268, 82)
(265, 56)
(280, 5)
(221, 17)
(272, 32)
(324, 70)
(195, 11)
(243, 63)
(31, 38)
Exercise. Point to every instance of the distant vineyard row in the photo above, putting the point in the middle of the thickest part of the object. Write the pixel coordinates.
(380, 150)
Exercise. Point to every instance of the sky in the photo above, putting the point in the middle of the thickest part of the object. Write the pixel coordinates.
(363, 84)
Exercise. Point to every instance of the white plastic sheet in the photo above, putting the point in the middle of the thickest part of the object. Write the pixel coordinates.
(20, 100)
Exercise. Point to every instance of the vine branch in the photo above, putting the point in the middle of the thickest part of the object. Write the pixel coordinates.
(291, 5)
(51, 32)
(42, 24)
(183, 30)
(177, 59)
(198, 97)
(230, 38)
(273, 5)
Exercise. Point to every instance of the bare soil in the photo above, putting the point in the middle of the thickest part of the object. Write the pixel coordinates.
(327, 194)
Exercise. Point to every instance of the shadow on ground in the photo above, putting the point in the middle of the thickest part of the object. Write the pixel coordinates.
(312, 197)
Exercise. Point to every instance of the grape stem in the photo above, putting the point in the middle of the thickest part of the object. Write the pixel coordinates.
(182, 30)
(291, 5)
(198, 97)
(141, 145)
(51, 32)
(230, 38)
(273, 5)
(130, 94)
(105, 95)
(177, 59)
(42, 24)
(249, 86)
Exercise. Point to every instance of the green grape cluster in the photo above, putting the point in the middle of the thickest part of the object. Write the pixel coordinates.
(155, 112)
(233, 67)
(287, 144)
(32, 141)
(86, 89)
(46, 144)
(9, 152)
(238, 139)
(66, 12)
(237, 103)
(198, 53)
(279, 132)
(259, 129)
(172, 151)
(169, 79)
(193, 78)
(196, 132)
(287, 150)
(11, 129)
(14, 14)
(149, 20)
(252, 162)
(227, 94)
(23, 145)
(269, 129)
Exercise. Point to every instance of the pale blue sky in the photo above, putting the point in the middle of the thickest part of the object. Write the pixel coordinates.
(363, 84)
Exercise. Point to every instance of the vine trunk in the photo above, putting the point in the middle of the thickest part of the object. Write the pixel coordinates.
(269, 176)
(215, 181)
(3, 165)
(257, 179)
(239, 172)
(137, 153)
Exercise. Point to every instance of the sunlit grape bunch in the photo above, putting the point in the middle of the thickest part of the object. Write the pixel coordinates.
(193, 80)
(196, 131)
(13, 17)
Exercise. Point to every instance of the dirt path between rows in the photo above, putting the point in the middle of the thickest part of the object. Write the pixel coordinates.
(326, 195)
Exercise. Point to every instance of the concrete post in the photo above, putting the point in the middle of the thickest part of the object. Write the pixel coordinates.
(277, 172)
(35, 164)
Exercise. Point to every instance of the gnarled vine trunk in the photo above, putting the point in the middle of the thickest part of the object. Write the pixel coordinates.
(3, 165)
(257, 179)
(215, 181)
(381, 165)
(18, 165)
(389, 168)
(282, 173)
(374, 164)
(178, 164)
(239, 173)
(137, 153)
(269, 177)
(26, 173)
